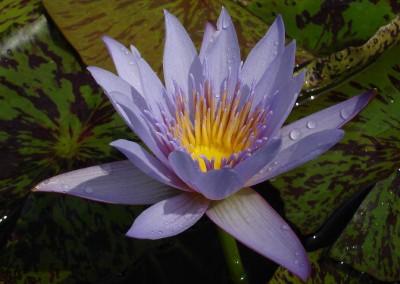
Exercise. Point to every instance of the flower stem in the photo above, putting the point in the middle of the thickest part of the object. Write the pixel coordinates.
(232, 257)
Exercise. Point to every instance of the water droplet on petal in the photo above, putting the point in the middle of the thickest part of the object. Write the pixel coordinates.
(296, 262)
(88, 189)
(285, 227)
(106, 168)
(131, 62)
(311, 124)
(276, 43)
(160, 232)
(297, 253)
(275, 52)
(225, 23)
(47, 181)
(344, 113)
(217, 95)
(295, 134)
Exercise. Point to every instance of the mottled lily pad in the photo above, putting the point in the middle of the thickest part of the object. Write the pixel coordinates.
(84, 23)
(370, 243)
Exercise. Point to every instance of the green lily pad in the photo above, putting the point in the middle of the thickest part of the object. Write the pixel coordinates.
(368, 152)
(323, 270)
(324, 27)
(142, 24)
(370, 243)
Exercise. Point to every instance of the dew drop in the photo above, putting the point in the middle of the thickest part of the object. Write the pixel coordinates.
(285, 227)
(106, 168)
(296, 262)
(225, 23)
(131, 62)
(295, 134)
(311, 124)
(160, 232)
(297, 253)
(217, 95)
(88, 189)
(344, 113)
(275, 52)
(47, 181)
(276, 43)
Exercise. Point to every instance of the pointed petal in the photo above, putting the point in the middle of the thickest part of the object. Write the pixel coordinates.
(214, 185)
(109, 81)
(223, 55)
(180, 57)
(264, 52)
(302, 151)
(283, 102)
(135, 116)
(252, 221)
(278, 73)
(209, 30)
(329, 118)
(258, 160)
(125, 63)
(169, 217)
(148, 163)
(117, 182)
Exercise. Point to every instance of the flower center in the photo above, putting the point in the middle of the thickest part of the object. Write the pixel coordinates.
(218, 133)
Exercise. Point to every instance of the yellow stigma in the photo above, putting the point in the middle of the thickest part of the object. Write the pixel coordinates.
(219, 129)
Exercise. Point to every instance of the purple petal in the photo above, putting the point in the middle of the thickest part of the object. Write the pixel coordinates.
(214, 185)
(252, 221)
(109, 81)
(329, 118)
(303, 151)
(264, 52)
(169, 217)
(117, 182)
(125, 63)
(278, 73)
(135, 117)
(148, 163)
(223, 55)
(258, 160)
(283, 102)
(209, 30)
(180, 57)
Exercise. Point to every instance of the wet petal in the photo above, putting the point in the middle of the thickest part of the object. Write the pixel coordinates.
(209, 30)
(169, 217)
(223, 55)
(184, 167)
(125, 63)
(278, 73)
(258, 160)
(302, 151)
(283, 102)
(329, 118)
(180, 57)
(252, 221)
(148, 163)
(264, 52)
(117, 182)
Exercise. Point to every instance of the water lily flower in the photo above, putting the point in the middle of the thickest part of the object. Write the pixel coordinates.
(214, 130)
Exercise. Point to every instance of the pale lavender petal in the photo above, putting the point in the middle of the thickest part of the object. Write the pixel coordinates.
(329, 118)
(223, 55)
(264, 52)
(209, 30)
(219, 184)
(117, 182)
(214, 185)
(302, 151)
(252, 221)
(153, 90)
(278, 73)
(282, 103)
(180, 57)
(169, 217)
(110, 82)
(258, 160)
(185, 167)
(125, 63)
(148, 163)
(136, 118)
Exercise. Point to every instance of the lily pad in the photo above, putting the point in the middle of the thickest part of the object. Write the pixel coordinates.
(370, 243)
(324, 27)
(142, 24)
(368, 152)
